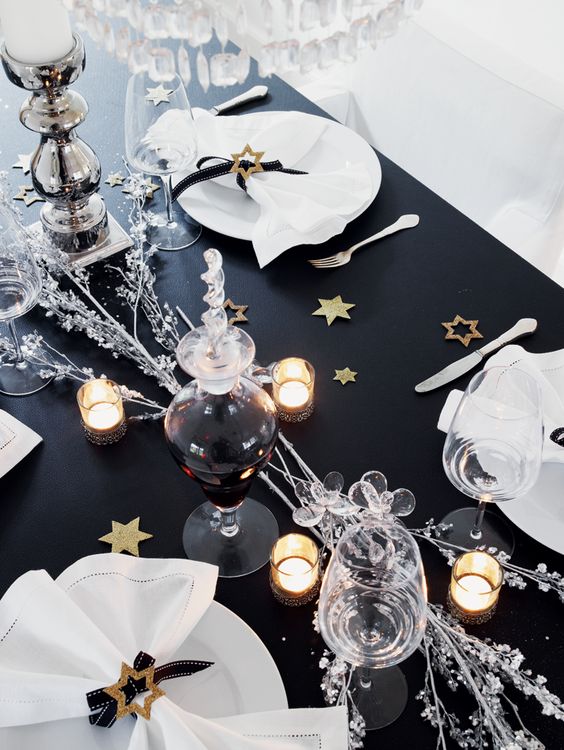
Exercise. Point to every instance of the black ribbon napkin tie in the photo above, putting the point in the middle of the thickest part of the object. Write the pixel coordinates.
(243, 168)
(117, 700)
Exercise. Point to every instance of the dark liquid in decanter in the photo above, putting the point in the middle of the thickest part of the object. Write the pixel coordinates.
(222, 441)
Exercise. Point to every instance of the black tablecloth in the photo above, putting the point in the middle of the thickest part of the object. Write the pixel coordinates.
(60, 499)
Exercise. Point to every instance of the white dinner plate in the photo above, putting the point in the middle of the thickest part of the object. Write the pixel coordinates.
(244, 679)
(540, 513)
(233, 213)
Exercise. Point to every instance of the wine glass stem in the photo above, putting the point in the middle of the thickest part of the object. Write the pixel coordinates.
(20, 360)
(229, 525)
(167, 184)
(476, 532)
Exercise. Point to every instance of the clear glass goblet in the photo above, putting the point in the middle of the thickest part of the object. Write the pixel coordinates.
(372, 613)
(160, 140)
(492, 453)
(20, 285)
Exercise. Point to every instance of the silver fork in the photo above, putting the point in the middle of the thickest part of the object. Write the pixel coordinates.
(339, 259)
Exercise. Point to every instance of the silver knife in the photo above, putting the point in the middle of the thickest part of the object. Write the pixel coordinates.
(252, 95)
(524, 327)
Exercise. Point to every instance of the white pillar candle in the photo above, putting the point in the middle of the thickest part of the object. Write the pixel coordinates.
(36, 31)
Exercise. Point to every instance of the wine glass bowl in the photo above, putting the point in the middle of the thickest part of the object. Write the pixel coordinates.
(160, 139)
(492, 453)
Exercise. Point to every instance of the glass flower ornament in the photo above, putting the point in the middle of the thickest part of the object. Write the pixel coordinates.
(371, 495)
(321, 500)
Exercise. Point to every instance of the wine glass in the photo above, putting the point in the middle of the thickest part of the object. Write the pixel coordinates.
(372, 613)
(493, 452)
(20, 285)
(160, 139)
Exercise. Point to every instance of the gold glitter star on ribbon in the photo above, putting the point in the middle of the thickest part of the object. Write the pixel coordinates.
(27, 199)
(239, 311)
(255, 167)
(116, 691)
(158, 94)
(115, 178)
(473, 333)
(125, 537)
(345, 376)
(23, 162)
(334, 308)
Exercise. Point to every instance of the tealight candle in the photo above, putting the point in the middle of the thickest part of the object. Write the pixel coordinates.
(474, 588)
(101, 408)
(292, 389)
(294, 570)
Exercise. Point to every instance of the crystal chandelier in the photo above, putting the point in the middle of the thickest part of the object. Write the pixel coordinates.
(286, 35)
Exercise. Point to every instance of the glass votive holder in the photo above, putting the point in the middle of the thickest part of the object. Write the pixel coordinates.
(294, 570)
(474, 589)
(292, 389)
(101, 408)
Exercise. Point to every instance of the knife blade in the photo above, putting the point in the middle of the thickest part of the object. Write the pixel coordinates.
(523, 327)
(252, 95)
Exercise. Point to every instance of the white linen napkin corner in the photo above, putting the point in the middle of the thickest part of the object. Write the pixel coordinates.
(16, 441)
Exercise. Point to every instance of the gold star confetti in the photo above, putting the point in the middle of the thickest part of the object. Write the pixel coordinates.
(152, 187)
(116, 691)
(334, 308)
(158, 94)
(125, 537)
(473, 333)
(345, 376)
(115, 178)
(255, 167)
(239, 311)
(24, 162)
(29, 200)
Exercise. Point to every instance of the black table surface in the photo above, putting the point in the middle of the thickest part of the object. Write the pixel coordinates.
(63, 496)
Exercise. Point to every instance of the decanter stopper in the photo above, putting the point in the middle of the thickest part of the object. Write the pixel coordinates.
(216, 353)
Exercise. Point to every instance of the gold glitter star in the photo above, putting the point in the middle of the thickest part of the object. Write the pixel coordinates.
(473, 333)
(115, 178)
(24, 162)
(23, 195)
(125, 537)
(334, 308)
(239, 310)
(255, 167)
(116, 691)
(152, 187)
(158, 94)
(345, 376)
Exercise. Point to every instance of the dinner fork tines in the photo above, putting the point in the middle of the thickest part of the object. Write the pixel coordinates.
(339, 259)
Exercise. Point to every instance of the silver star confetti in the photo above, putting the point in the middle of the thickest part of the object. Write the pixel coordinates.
(23, 162)
(115, 178)
(158, 94)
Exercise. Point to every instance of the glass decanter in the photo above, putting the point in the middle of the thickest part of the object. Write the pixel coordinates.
(221, 430)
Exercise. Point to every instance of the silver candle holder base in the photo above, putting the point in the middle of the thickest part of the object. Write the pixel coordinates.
(65, 171)
(116, 240)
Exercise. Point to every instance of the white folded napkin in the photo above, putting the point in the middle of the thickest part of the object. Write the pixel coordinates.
(16, 441)
(548, 371)
(294, 209)
(61, 639)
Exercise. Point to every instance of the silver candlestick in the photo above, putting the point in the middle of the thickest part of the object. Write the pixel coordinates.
(65, 171)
